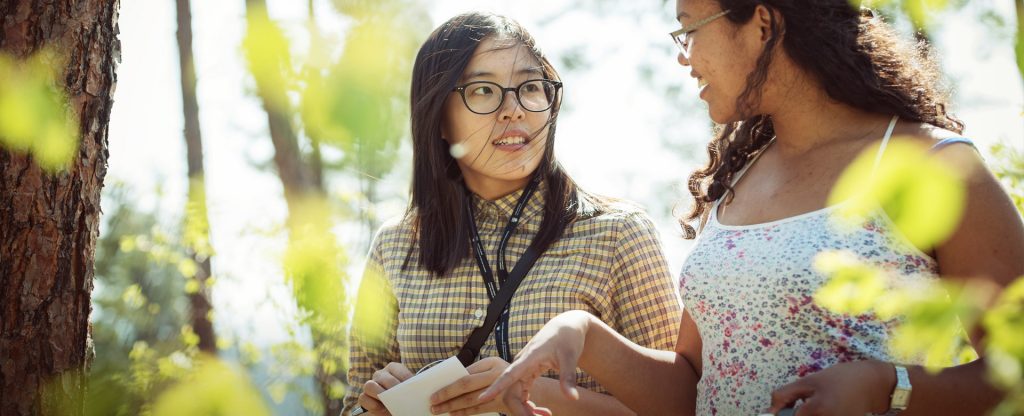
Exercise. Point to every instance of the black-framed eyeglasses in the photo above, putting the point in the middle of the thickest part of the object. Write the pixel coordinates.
(485, 97)
(682, 36)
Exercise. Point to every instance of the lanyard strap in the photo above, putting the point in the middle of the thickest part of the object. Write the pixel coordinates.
(498, 308)
(477, 243)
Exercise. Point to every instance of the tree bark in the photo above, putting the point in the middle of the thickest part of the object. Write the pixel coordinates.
(49, 222)
(197, 229)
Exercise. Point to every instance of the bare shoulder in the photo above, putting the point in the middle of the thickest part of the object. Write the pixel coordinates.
(962, 157)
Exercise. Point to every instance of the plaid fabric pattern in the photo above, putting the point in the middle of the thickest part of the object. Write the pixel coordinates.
(611, 265)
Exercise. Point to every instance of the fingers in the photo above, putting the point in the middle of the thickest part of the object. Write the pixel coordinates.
(373, 389)
(399, 371)
(391, 375)
(385, 379)
(372, 405)
(464, 405)
(812, 407)
(567, 375)
(461, 393)
(789, 394)
(513, 374)
(517, 401)
(540, 411)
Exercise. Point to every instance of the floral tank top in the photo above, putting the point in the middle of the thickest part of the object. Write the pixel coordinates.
(750, 291)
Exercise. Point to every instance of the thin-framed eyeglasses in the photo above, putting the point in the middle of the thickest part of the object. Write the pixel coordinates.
(486, 97)
(682, 36)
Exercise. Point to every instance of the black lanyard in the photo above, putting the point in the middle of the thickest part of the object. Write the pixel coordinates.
(501, 329)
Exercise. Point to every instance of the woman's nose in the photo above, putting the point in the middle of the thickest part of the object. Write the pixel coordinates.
(682, 59)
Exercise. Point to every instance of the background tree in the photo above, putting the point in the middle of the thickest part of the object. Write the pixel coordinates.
(313, 259)
(197, 234)
(49, 218)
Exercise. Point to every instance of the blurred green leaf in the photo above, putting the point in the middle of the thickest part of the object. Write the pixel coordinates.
(924, 199)
(197, 225)
(268, 54)
(922, 12)
(933, 320)
(214, 389)
(133, 297)
(33, 113)
(188, 336)
(853, 286)
(1004, 326)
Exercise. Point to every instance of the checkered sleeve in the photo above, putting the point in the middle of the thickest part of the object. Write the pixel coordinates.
(647, 306)
(372, 341)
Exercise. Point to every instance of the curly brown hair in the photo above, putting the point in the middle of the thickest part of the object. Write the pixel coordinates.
(857, 58)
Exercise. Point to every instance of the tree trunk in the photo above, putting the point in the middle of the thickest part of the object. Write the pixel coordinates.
(49, 222)
(197, 232)
(319, 292)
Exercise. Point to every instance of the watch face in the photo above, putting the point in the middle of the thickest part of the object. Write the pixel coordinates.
(900, 398)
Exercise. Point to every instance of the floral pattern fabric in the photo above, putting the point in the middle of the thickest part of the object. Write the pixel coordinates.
(750, 291)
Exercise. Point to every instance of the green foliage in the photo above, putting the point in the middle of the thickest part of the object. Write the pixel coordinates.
(912, 188)
(214, 389)
(854, 286)
(267, 54)
(33, 115)
(139, 309)
(923, 198)
(196, 233)
(1008, 166)
(360, 105)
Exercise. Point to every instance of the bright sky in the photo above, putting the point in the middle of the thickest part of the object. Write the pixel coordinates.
(617, 136)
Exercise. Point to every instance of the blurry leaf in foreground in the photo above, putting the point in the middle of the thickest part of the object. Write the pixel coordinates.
(374, 309)
(197, 225)
(268, 55)
(312, 262)
(215, 388)
(1004, 326)
(922, 12)
(933, 320)
(362, 96)
(922, 197)
(853, 286)
(33, 115)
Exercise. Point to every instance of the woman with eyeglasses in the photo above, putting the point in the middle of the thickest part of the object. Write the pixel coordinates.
(798, 88)
(492, 208)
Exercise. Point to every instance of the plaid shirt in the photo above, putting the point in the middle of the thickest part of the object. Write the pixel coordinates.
(610, 265)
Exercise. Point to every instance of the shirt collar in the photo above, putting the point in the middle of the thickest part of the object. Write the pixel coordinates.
(504, 207)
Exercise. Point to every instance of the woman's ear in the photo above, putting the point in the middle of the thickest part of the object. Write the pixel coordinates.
(444, 132)
(763, 19)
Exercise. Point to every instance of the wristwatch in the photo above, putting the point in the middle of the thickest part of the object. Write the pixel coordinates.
(900, 394)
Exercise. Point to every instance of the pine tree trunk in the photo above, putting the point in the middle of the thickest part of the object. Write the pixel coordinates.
(49, 222)
(197, 229)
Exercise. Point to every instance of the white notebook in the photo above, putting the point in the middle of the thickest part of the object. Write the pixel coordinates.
(412, 397)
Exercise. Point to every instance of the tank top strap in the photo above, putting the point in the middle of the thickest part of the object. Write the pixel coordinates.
(952, 140)
(885, 143)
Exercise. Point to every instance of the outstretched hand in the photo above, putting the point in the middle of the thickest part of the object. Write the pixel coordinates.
(557, 346)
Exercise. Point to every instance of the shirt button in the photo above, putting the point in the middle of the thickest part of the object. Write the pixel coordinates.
(479, 313)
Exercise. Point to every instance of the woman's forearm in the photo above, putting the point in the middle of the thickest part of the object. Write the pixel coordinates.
(546, 392)
(960, 390)
(648, 381)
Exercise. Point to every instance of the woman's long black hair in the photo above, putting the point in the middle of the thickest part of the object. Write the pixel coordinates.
(438, 191)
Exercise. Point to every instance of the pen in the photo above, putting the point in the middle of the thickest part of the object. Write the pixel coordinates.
(358, 411)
